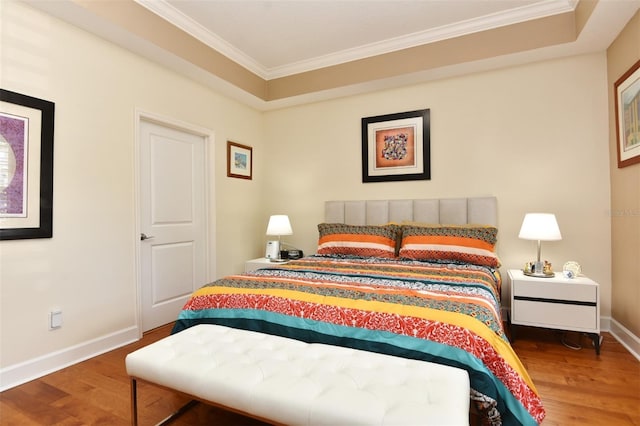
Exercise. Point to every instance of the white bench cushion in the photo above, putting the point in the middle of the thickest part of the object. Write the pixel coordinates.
(296, 383)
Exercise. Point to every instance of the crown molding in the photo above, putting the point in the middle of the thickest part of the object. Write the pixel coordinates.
(525, 13)
(172, 15)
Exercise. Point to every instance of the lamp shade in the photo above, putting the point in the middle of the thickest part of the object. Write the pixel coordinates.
(279, 225)
(540, 226)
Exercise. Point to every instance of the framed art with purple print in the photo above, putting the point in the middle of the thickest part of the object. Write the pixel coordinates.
(26, 166)
(396, 147)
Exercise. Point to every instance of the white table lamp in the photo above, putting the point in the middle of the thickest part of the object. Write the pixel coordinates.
(278, 225)
(540, 227)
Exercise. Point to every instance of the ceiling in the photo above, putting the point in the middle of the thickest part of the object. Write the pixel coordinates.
(284, 37)
(283, 52)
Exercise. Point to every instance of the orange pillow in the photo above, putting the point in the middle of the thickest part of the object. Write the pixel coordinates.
(358, 240)
(468, 244)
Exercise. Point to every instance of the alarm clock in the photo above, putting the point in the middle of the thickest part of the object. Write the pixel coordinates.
(295, 254)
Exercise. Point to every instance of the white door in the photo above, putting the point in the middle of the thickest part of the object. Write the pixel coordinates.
(173, 236)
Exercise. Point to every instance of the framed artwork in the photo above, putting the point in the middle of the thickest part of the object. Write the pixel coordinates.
(239, 160)
(26, 166)
(627, 93)
(396, 147)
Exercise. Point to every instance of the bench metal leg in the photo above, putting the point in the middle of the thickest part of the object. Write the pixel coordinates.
(134, 402)
(178, 413)
(167, 420)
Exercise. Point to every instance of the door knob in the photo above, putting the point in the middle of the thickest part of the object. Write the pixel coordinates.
(144, 236)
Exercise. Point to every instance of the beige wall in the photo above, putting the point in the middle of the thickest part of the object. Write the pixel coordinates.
(625, 194)
(88, 268)
(535, 136)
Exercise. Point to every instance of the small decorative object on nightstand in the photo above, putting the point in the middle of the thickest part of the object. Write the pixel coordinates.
(571, 269)
(557, 303)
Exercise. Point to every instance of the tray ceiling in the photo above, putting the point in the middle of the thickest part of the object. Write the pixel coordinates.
(275, 53)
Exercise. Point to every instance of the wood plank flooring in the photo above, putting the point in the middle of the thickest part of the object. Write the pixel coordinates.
(577, 388)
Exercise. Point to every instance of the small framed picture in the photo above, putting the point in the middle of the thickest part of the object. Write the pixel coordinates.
(627, 91)
(239, 160)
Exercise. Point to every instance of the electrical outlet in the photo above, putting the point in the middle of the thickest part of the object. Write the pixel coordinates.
(55, 320)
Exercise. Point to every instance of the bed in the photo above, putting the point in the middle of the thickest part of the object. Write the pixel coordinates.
(411, 278)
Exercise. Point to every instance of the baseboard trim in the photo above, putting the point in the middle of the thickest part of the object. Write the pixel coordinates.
(605, 324)
(626, 338)
(23, 372)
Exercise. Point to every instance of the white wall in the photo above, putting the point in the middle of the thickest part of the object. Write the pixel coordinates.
(88, 268)
(535, 136)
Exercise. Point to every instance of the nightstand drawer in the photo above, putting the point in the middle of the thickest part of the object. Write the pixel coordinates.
(555, 315)
(555, 290)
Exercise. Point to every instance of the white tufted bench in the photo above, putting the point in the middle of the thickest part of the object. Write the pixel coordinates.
(285, 381)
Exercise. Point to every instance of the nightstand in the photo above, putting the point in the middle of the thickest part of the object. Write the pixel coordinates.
(261, 262)
(560, 303)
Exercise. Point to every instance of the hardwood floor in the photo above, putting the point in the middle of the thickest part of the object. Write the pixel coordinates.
(577, 388)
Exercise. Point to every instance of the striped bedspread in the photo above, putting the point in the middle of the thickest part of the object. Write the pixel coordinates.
(443, 313)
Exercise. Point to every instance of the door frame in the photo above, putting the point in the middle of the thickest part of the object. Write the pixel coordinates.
(209, 170)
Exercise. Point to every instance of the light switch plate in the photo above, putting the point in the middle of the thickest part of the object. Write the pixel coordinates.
(55, 319)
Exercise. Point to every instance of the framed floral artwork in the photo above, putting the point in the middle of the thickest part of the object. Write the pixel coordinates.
(396, 147)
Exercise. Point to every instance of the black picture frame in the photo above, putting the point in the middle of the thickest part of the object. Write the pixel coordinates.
(34, 107)
(396, 147)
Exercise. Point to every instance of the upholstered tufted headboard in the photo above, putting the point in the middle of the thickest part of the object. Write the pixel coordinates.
(455, 211)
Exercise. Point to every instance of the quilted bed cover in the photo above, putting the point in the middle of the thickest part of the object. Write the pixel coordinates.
(443, 313)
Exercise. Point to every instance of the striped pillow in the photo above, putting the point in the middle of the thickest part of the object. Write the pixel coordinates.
(469, 244)
(358, 240)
